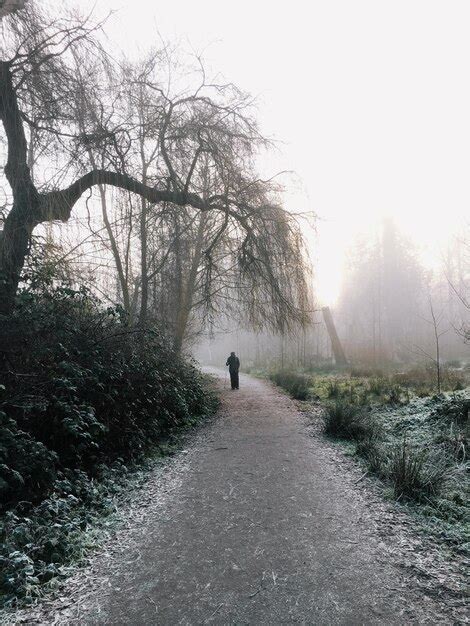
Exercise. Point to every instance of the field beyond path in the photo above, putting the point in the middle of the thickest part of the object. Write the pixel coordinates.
(262, 526)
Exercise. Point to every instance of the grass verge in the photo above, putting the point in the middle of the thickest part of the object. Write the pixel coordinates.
(415, 442)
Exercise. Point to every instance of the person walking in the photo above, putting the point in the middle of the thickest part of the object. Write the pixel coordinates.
(233, 363)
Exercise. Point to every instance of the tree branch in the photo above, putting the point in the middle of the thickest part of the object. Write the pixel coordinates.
(57, 205)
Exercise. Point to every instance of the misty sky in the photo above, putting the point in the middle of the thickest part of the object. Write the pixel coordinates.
(371, 100)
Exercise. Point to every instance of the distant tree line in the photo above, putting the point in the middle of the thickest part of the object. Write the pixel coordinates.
(390, 305)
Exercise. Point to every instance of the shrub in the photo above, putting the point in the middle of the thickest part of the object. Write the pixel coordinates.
(82, 388)
(393, 395)
(80, 391)
(422, 380)
(333, 389)
(27, 467)
(297, 385)
(38, 544)
(377, 386)
(348, 421)
(414, 475)
(373, 452)
(454, 443)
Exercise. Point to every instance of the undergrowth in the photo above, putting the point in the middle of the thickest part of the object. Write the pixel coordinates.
(349, 421)
(297, 385)
(415, 441)
(415, 475)
(82, 396)
(420, 448)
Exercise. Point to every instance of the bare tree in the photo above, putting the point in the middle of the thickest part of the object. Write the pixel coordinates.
(435, 322)
(178, 137)
(457, 277)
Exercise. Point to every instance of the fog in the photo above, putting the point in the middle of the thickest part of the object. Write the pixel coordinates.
(190, 190)
(367, 107)
(368, 101)
(389, 309)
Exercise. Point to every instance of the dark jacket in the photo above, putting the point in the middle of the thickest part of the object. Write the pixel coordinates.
(233, 363)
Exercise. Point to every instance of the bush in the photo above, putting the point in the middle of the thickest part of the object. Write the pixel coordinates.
(333, 389)
(27, 467)
(414, 475)
(38, 544)
(422, 380)
(349, 421)
(393, 395)
(374, 454)
(80, 391)
(297, 385)
(377, 386)
(82, 388)
(451, 417)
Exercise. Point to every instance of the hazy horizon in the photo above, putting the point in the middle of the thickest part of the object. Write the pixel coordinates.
(368, 101)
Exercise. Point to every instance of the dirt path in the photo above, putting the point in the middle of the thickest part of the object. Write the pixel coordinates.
(257, 525)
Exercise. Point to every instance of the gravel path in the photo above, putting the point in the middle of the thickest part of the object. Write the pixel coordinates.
(255, 523)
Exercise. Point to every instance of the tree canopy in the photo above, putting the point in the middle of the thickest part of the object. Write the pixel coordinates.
(180, 148)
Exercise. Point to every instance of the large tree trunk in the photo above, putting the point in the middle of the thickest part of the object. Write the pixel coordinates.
(23, 217)
(340, 357)
(14, 245)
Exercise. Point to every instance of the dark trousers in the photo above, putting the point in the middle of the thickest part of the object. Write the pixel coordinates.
(234, 380)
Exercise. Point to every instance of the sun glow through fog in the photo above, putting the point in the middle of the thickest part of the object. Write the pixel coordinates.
(370, 100)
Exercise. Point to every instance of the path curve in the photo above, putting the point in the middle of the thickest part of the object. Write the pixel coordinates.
(262, 528)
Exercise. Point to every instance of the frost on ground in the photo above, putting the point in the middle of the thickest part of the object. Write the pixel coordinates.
(438, 428)
(261, 521)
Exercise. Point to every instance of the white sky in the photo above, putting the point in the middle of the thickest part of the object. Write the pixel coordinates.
(371, 99)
